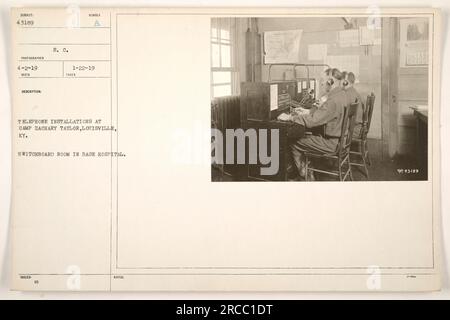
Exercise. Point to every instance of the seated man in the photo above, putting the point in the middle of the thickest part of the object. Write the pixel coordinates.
(324, 88)
(330, 113)
(353, 96)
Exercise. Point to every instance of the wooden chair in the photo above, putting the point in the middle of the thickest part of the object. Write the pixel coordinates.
(359, 147)
(342, 153)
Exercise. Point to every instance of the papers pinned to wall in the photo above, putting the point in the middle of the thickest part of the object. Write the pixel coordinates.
(416, 56)
(282, 46)
(345, 63)
(349, 38)
(414, 35)
(317, 52)
(369, 36)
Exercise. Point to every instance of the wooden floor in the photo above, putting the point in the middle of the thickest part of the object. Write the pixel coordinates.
(401, 168)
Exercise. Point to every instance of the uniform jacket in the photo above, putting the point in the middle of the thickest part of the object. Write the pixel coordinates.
(330, 113)
(354, 96)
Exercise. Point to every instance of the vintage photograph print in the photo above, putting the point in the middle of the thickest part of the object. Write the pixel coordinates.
(320, 98)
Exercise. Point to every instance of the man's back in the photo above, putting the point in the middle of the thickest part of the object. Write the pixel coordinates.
(339, 99)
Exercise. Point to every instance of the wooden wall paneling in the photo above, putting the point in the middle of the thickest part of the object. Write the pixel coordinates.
(389, 69)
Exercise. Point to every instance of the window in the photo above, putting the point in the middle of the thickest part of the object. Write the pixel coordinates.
(222, 62)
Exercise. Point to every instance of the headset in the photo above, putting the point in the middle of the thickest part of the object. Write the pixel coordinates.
(333, 73)
(344, 80)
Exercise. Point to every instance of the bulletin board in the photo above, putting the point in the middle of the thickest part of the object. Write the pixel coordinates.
(414, 35)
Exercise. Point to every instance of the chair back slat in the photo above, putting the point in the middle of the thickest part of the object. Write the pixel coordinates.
(348, 124)
(367, 115)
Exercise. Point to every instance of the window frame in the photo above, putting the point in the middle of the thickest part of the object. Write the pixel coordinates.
(218, 40)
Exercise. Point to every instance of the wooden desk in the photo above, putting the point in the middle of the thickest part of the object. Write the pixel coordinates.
(422, 139)
(288, 132)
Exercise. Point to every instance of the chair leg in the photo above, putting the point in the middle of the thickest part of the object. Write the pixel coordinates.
(363, 157)
(306, 169)
(349, 167)
(340, 168)
(366, 154)
(365, 168)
